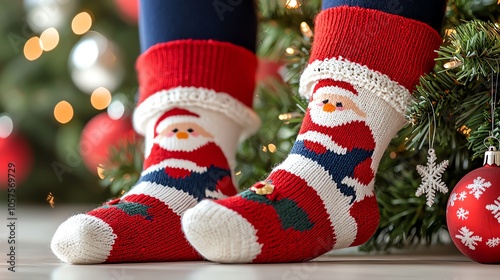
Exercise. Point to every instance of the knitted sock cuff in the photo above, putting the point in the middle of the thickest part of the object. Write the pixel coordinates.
(398, 47)
(205, 73)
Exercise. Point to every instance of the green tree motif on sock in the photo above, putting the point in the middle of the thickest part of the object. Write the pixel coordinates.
(290, 214)
(132, 208)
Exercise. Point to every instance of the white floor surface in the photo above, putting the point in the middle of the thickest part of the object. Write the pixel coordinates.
(34, 260)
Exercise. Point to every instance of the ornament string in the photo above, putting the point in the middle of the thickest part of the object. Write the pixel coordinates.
(433, 137)
(494, 89)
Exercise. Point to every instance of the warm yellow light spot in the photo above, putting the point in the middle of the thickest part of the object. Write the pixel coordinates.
(292, 4)
(290, 51)
(284, 117)
(50, 199)
(288, 116)
(450, 31)
(32, 49)
(465, 130)
(81, 23)
(63, 112)
(452, 64)
(238, 173)
(272, 148)
(306, 30)
(49, 39)
(393, 155)
(100, 98)
(264, 149)
(100, 171)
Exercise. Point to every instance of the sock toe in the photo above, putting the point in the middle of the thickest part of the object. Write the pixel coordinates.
(83, 239)
(220, 234)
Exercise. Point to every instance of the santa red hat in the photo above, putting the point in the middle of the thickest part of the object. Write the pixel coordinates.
(175, 115)
(330, 83)
(208, 74)
(400, 51)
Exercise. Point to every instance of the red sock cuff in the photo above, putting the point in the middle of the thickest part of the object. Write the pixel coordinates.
(401, 48)
(208, 74)
(218, 66)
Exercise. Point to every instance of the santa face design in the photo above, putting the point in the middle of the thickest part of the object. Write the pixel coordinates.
(332, 106)
(183, 136)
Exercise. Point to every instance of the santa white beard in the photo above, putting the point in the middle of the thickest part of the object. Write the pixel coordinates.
(332, 119)
(173, 143)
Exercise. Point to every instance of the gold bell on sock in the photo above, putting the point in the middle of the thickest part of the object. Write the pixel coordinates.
(263, 188)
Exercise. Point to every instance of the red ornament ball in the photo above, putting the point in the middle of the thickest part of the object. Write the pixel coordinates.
(99, 135)
(473, 214)
(14, 149)
(269, 69)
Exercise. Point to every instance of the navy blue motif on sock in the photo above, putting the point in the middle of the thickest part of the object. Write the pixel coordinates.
(338, 166)
(194, 184)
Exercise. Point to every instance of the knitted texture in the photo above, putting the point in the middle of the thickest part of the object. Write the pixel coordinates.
(187, 160)
(224, 72)
(190, 152)
(401, 48)
(321, 196)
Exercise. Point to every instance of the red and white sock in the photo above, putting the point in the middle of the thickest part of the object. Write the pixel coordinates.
(194, 106)
(363, 65)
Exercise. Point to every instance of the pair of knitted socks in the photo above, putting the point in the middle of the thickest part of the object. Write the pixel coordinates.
(195, 105)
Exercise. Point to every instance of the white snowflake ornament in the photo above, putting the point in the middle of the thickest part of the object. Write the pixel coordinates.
(493, 242)
(495, 208)
(478, 187)
(468, 238)
(431, 177)
(462, 214)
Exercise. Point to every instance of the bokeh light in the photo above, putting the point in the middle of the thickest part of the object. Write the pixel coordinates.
(292, 4)
(116, 109)
(63, 112)
(81, 23)
(100, 98)
(49, 39)
(100, 171)
(272, 148)
(32, 48)
(6, 126)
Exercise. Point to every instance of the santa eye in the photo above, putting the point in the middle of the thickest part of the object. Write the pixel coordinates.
(325, 101)
(339, 104)
(190, 130)
(175, 130)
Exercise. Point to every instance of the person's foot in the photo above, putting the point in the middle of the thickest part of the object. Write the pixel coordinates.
(321, 197)
(191, 135)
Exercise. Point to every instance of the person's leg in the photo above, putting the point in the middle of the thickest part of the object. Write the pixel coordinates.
(365, 61)
(196, 83)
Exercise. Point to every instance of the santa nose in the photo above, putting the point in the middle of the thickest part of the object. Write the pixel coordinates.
(328, 107)
(182, 135)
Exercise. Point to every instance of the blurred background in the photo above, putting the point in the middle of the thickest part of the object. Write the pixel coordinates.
(64, 66)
